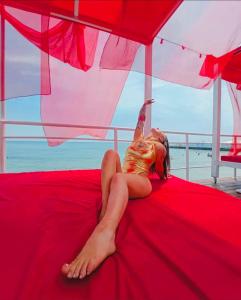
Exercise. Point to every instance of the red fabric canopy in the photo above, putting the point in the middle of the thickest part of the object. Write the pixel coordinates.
(137, 20)
(227, 66)
(76, 97)
(179, 53)
(232, 71)
(66, 68)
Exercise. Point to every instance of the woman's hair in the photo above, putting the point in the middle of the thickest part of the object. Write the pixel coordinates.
(166, 162)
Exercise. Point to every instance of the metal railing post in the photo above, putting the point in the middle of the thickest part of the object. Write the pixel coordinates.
(235, 174)
(217, 89)
(148, 87)
(2, 92)
(187, 155)
(116, 139)
(76, 8)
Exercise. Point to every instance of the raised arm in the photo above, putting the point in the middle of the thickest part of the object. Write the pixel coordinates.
(141, 120)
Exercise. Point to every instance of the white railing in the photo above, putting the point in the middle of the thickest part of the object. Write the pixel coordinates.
(115, 139)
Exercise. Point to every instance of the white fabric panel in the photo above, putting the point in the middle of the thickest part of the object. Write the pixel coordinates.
(209, 27)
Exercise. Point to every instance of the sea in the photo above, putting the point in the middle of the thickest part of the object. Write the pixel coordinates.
(28, 156)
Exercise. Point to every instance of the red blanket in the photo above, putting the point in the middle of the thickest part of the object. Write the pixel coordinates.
(181, 242)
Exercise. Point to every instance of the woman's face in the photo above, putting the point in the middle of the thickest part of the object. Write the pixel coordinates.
(157, 135)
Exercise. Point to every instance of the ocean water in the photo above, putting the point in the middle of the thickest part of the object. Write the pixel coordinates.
(24, 156)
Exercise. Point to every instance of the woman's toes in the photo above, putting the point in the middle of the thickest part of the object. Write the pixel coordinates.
(75, 274)
(83, 270)
(65, 268)
(77, 269)
(90, 267)
(71, 271)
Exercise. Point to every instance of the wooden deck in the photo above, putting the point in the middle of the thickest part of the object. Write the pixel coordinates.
(227, 185)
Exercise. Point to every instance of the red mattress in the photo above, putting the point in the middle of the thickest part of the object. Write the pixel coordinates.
(231, 158)
(182, 242)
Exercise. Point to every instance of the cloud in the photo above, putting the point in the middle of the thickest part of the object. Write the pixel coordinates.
(23, 59)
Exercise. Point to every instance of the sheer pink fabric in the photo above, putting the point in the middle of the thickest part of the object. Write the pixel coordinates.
(85, 74)
(179, 63)
(170, 62)
(77, 97)
(184, 63)
(191, 49)
(23, 64)
(69, 42)
(208, 27)
(27, 68)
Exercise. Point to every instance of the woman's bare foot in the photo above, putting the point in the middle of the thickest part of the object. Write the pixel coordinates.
(100, 245)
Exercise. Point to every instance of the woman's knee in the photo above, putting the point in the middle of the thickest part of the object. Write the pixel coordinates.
(110, 154)
(118, 178)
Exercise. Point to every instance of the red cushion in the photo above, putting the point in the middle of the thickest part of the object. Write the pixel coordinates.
(231, 158)
(181, 242)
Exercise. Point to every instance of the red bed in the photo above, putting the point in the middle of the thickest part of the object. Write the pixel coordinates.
(182, 242)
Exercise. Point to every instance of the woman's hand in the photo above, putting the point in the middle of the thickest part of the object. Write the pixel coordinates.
(142, 113)
(141, 119)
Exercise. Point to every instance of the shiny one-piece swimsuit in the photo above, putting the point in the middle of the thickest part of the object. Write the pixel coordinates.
(139, 157)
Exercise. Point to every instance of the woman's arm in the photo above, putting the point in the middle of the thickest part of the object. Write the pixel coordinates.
(141, 120)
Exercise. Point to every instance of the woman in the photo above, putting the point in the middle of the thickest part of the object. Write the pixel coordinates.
(119, 184)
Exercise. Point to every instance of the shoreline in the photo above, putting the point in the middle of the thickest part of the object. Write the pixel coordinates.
(198, 148)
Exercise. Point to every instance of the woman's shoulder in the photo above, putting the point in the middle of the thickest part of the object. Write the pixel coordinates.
(160, 148)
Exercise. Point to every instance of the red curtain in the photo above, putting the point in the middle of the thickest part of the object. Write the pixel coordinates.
(232, 71)
(227, 66)
(73, 89)
(103, 60)
(69, 96)
(44, 7)
(70, 42)
(26, 68)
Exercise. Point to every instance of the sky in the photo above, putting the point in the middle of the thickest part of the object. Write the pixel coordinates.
(176, 108)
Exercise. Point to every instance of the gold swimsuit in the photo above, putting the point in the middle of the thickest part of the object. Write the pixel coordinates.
(139, 157)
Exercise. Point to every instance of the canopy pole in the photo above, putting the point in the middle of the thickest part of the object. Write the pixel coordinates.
(76, 8)
(217, 89)
(2, 91)
(148, 86)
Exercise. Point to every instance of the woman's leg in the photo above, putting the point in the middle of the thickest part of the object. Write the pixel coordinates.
(102, 241)
(110, 165)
